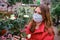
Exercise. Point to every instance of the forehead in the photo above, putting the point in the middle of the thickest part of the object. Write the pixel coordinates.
(38, 9)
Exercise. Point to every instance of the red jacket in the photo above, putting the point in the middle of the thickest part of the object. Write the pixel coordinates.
(40, 34)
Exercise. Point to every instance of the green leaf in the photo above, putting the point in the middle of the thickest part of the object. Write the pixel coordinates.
(38, 2)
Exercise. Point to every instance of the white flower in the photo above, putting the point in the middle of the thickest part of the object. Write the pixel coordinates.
(23, 4)
(12, 17)
(26, 16)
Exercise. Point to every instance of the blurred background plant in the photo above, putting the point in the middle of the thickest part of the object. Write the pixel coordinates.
(16, 21)
(55, 11)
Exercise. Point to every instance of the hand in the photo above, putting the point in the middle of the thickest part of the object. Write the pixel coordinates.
(29, 36)
(23, 39)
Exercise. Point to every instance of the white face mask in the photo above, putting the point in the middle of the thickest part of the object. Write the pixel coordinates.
(37, 17)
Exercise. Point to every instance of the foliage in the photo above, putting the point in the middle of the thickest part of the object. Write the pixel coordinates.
(56, 10)
(11, 2)
(19, 23)
(23, 15)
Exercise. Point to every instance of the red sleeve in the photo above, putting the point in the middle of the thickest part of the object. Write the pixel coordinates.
(27, 30)
(46, 36)
(51, 30)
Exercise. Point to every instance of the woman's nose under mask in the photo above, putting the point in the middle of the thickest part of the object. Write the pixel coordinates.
(37, 17)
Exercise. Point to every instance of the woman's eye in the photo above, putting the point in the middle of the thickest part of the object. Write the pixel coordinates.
(35, 11)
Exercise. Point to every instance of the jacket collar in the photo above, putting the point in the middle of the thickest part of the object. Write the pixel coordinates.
(41, 28)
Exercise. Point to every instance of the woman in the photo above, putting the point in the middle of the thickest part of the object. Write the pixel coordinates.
(40, 28)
